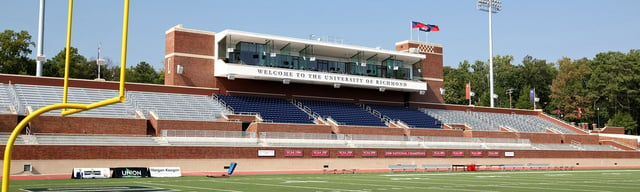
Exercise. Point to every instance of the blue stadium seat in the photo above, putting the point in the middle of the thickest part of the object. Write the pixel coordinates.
(410, 116)
(343, 113)
(270, 109)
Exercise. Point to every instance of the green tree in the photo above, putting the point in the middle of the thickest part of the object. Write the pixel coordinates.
(539, 75)
(454, 83)
(143, 72)
(79, 67)
(524, 100)
(569, 91)
(14, 53)
(623, 120)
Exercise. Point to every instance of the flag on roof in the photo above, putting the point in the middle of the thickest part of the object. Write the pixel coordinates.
(415, 24)
(429, 28)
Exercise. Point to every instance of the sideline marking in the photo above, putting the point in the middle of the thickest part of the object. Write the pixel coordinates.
(98, 189)
(190, 187)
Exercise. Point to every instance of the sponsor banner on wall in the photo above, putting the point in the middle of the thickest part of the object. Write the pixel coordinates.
(369, 153)
(320, 153)
(345, 153)
(493, 154)
(457, 153)
(91, 173)
(405, 153)
(292, 153)
(438, 154)
(165, 172)
(129, 172)
(476, 153)
(509, 154)
(266, 153)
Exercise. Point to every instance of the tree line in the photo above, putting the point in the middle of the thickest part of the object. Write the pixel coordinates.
(15, 48)
(605, 88)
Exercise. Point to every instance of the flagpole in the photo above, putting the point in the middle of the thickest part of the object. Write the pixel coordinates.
(426, 37)
(411, 30)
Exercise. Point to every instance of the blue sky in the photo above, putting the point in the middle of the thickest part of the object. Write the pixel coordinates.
(544, 29)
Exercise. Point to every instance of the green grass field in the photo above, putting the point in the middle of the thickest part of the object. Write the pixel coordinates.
(547, 181)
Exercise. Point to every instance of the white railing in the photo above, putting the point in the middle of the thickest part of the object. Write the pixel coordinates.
(208, 133)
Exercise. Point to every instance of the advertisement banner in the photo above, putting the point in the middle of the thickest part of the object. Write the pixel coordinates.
(509, 154)
(457, 153)
(345, 153)
(404, 153)
(165, 172)
(369, 153)
(320, 153)
(493, 154)
(90, 173)
(266, 153)
(293, 153)
(476, 153)
(438, 154)
(129, 172)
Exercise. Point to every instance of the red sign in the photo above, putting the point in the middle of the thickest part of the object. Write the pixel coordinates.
(345, 153)
(320, 153)
(405, 153)
(438, 154)
(369, 153)
(457, 153)
(476, 153)
(493, 154)
(293, 153)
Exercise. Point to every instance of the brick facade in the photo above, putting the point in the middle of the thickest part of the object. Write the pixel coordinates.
(88, 125)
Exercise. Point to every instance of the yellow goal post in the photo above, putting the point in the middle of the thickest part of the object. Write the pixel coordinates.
(69, 108)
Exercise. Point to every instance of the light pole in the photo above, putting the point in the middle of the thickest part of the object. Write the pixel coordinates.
(40, 55)
(490, 6)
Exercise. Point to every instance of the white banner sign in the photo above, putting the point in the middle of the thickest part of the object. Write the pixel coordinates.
(509, 154)
(313, 77)
(266, 153)
(165, 172)
(91, 173)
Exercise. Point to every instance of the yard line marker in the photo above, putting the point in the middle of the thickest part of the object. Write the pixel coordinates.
(190, 187)
(293, 186)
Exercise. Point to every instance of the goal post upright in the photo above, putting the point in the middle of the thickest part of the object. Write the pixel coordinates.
(74, 108)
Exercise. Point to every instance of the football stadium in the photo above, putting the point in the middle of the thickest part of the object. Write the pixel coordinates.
(261, 112)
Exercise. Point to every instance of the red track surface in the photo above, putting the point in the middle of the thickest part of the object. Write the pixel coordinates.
(338, 171)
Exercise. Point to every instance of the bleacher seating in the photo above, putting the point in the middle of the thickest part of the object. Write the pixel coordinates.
(461, 117)
(212, 141)
(343, 113)
(270, 109)
(176, 106)
(409, 116)
(93, 140)
(38, 96)
(580, 147)
(5, 137)
(5, 102)
(493, 121)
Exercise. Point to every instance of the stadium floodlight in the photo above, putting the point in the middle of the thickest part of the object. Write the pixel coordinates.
(490, 6)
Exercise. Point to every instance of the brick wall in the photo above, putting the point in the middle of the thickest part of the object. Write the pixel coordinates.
(297, 128)
(8, 122)
(73, 152)
(88, 125)
(435, 132)
(113, 85)
(371, 130)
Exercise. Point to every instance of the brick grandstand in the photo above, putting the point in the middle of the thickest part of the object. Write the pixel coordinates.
(231, 94)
